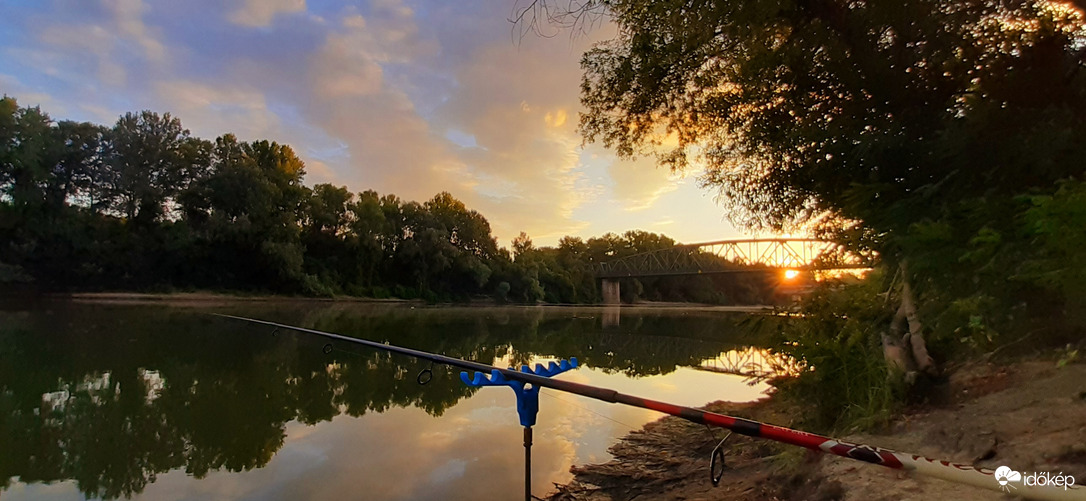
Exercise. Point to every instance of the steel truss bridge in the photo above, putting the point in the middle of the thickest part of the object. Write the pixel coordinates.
(732, 256)
(753, 364)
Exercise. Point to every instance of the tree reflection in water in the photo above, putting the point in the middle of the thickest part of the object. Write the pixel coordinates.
(112, 396)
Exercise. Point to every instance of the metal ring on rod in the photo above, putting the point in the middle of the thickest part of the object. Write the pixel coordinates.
(717, 457)
(428, 372)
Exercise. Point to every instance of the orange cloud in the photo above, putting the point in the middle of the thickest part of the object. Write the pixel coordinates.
(261, 13)
(639, 183)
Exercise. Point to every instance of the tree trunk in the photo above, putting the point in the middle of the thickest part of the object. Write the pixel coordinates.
(915, 337)
(905, 350)
(897, 357)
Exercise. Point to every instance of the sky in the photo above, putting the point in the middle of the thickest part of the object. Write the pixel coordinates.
(398, 96)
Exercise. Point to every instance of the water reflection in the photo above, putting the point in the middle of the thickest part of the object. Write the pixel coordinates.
(753, 364)
(118, 401)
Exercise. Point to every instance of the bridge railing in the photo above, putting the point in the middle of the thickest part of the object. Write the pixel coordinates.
(731, 256)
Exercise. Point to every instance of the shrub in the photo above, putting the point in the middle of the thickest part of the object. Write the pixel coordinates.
(838, 338)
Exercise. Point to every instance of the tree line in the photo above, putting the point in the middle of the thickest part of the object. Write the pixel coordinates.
(945, 137)
(145, 205)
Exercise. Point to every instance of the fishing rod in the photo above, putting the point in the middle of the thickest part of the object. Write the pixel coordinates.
(530, 381)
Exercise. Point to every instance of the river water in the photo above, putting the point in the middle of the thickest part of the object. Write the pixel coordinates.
(169, 403)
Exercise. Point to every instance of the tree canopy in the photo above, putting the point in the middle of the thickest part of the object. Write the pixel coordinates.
(944, 136)
(144, 205)
(882, 112)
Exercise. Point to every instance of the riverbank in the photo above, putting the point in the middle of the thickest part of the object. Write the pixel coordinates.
(214, 298)
(1028, 414)
(209, 298)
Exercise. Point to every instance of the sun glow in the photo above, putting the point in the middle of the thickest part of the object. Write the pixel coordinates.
(790, 274)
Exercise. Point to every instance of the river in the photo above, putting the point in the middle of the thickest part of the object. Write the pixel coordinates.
(151, 401)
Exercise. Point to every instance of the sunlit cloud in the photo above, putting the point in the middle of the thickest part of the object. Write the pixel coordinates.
(261, 13)
(112, 41)
(128, 19)
(639, 183)
(318, 172)
(28, 97)
(410, 98)
(510, 100)
(205, 108)
(341, 69)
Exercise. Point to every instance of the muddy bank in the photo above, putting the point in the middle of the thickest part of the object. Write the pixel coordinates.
(1029, 415)
(204, 298)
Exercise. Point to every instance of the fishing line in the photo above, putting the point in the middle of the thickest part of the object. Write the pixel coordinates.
(489, 375)
(429, 371)
(556, 397)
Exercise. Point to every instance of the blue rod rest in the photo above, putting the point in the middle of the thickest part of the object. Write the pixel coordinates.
(527, 399)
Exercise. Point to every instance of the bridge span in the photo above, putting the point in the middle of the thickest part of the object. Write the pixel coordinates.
(727, 256)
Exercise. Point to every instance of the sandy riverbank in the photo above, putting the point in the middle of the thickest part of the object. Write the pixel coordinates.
(1029, 415)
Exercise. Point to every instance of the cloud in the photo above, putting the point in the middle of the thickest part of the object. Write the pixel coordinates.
(410, 99)
(372, 100)
(128, 19)
(205, 109)
(639, 183)
(318, 172)
(28, 97)
(215, 108)
(116, 39)
(515, 103)
(93, 41)
(261, 13)
(341, 69)
(390, 147)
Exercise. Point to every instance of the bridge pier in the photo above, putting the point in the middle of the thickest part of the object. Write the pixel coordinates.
(612, 315)
(610, 291)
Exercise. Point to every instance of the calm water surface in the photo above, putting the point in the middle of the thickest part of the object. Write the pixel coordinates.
(157, 402)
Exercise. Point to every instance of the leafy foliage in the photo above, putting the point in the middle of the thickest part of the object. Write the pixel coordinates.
(838, 340)
(144, 205)
(944, 135)
(877, 112)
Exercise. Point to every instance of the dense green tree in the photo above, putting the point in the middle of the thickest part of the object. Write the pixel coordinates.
(573, 257)
(906, 128)
(327, 210)
(79, 172)
(247, 211)
(368, 237)
(522, 244)
(324, 235)
(25, 153)
(467, 229)
(144, 205)
(153, 158)
(799, 109)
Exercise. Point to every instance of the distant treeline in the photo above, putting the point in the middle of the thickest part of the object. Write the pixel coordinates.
(144, 205)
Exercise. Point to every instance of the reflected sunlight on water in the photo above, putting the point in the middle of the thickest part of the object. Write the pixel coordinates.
(180, 407)
(754, 365)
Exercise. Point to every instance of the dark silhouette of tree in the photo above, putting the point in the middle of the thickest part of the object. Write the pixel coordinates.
(144, 205)
(912, 130)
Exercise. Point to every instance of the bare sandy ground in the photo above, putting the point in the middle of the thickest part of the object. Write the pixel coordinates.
(1029, 415)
